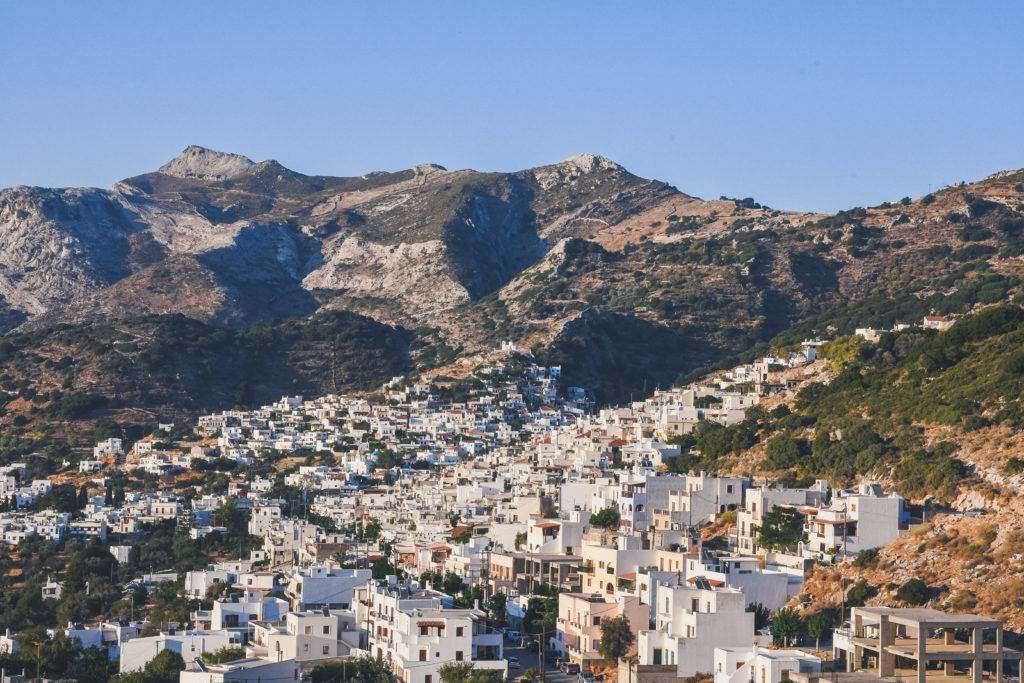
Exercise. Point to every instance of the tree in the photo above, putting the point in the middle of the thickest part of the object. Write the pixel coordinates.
(781, 451)
(371, 532)
(497, 606)
(93, 666)
(106, 429)
(842, 352)
(616, 638)
(452, 584)
(866, 559)
(817, 626)
(762, 615)
(466, 672)
(785, 625)
(520, 539)
(164, 668)
(913, 592)
(858, 594)
(382, 568)
(530, 674)
(606, 519)
(365, 669)
(781, 529)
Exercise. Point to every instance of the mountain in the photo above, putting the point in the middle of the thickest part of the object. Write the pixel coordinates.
(625, 281)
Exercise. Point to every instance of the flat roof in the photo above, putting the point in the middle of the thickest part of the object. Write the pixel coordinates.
(916, 615)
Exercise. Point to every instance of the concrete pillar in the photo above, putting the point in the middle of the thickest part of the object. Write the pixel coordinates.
(886, 660)
(977, 648)
(948, 637)
(922, 650)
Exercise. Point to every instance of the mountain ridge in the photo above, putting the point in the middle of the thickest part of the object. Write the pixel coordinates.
(562, 257)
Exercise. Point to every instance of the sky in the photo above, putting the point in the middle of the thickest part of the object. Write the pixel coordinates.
(811, 106)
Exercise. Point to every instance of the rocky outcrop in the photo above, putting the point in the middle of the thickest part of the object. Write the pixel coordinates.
(205, 164)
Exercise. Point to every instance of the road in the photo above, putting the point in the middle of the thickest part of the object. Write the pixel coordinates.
(529, 658)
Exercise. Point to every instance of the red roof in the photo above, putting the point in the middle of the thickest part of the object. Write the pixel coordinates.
(546, 525)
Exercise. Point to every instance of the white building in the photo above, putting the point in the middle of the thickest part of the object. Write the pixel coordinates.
(250, 670)
(691, 622)
(761, 665)
(137, 652)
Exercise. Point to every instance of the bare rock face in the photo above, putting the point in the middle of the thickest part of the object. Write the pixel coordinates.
(221, 238)
(58, 245)
(205, 164)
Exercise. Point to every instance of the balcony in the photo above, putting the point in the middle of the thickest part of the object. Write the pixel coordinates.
(585, 569)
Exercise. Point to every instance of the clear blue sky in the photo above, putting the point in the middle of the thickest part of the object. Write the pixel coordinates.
(802, 105)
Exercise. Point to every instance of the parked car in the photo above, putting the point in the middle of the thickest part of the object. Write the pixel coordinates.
(570, 668)
(976, 512)
(514, 636)
(513, 663)
(585, 677)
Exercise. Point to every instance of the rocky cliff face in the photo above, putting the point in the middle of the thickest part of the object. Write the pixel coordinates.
(581, 258)
(221, 238)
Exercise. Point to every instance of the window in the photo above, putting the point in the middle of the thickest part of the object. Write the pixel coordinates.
(305, 647)
(728, 489)
(423, 655)
(458, 631)
(308, 630)
(326, 649)
(458, 655)
(423, 630)
(327, 630)
(597, 621)
(426, 679)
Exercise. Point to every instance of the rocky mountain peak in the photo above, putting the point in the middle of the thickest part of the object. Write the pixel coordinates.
(587, 163)
(206, 164)
(428, 169)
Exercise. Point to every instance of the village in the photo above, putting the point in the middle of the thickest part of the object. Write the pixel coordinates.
(497, 520)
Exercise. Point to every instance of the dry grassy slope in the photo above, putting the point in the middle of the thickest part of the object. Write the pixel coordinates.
(969, 564)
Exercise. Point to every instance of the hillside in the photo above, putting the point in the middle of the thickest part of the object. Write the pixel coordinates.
(168, 367)
(934, 415)
(967, 565)
(626, 282)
